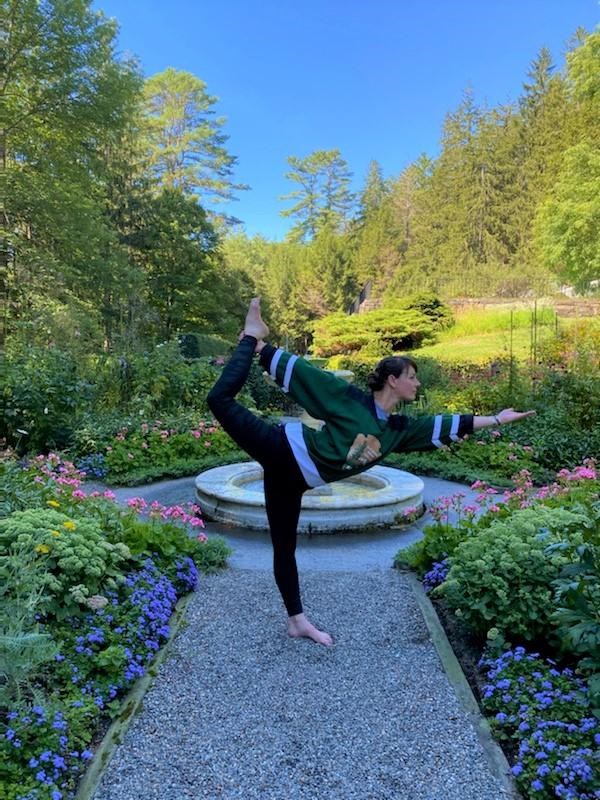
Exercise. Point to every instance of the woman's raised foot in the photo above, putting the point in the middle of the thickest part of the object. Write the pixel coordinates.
(254, 324)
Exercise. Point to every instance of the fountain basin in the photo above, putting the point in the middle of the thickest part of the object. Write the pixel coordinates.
(374, 499)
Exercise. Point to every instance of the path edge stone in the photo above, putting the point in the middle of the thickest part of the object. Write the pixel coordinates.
(130, 707)
(499, 765)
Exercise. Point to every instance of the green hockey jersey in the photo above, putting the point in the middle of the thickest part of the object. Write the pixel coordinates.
(357, 433)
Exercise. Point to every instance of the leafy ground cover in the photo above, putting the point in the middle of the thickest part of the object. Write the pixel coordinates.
(87, 590)
(516, 582)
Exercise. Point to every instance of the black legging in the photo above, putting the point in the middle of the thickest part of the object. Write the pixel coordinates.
(267, 444)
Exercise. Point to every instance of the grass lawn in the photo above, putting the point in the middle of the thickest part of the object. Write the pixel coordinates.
(483, 347)
(482, 336)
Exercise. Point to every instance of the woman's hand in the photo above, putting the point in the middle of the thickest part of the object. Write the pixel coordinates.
(510, 415)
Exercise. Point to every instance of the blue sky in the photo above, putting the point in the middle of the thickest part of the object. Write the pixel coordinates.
(372, 78)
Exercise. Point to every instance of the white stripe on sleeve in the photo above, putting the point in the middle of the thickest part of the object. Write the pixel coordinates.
(273, 365)
(289, 368)
(437, 430)
(454, 428)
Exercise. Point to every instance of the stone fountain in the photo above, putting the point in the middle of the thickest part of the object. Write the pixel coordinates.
(377, 498)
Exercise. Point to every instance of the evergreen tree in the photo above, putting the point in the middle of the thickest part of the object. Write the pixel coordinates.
(323, 197)
(186, 143)
(568, 220)
(545, 131)
(180, 271)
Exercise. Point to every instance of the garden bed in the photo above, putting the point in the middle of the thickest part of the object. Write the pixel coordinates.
(526, 571)
(89, 593)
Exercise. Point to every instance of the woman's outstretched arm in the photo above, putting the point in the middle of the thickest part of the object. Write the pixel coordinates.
(504, 417)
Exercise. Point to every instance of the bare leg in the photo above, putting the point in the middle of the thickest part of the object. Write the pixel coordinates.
(300, 626)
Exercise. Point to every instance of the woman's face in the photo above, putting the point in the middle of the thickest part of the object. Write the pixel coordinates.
(405, 385)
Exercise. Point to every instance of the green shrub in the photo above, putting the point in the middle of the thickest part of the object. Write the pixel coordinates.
(557, 439)
(575, 348)
(196, 345)
(483, 456)
(265, 393)
(391, 329)
(78, 560)
(502, 577)
(18, 490)
(156, 450)
(577, 614)
(578, 396)
(42, 390)
(166, 542)
(24, 647)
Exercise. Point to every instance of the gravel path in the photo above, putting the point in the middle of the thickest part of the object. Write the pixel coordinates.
(240, 711)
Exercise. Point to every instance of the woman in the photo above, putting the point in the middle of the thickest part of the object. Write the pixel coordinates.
(360, 430)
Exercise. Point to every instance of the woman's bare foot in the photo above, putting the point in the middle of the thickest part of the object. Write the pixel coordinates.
(254, 325)
(299, 626)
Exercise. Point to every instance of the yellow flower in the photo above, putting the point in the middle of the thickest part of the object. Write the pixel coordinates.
(69, 525)
(55, 533)
(42, 548)
(53, 503)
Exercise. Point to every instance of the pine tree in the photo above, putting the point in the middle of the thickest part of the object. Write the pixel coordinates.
(323, 197)
(186, 143)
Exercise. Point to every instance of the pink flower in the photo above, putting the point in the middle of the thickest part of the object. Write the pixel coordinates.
(478, 485)
(137, 503)
(202, 537)
(197, 434)
(78, 494)
(109, 495)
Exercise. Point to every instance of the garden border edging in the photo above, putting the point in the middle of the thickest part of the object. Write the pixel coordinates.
(499, 766)
(129, 709)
